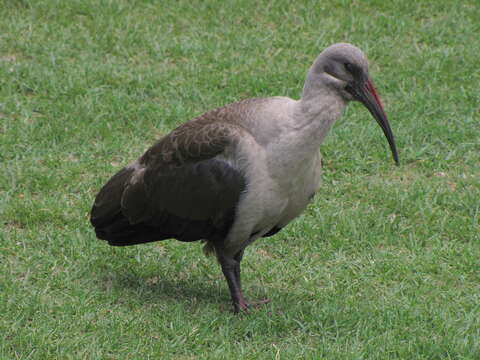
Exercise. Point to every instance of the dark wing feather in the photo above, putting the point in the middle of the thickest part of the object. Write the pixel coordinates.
(108, 199)
(178, 189)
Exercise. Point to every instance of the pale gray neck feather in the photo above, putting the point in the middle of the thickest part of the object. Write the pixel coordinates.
(319, 107)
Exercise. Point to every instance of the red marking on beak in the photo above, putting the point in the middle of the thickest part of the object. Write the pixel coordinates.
(371, 89)
(367, 94)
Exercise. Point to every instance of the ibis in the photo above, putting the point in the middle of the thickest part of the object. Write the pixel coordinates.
(239, 172)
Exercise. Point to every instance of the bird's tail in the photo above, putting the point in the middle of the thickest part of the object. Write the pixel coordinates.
(108, 220)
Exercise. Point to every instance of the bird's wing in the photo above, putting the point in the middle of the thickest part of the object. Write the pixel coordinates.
(184, 187)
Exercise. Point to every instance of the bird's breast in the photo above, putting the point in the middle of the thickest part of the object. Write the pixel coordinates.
(298, 183)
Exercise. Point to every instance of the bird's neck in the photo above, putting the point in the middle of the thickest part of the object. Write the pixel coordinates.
(316, 112)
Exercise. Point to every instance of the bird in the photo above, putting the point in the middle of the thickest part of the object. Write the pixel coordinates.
(239, 172)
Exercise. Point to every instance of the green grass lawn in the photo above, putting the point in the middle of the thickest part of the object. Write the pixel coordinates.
(385, 263)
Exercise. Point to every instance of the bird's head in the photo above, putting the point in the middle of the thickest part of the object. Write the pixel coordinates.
(343, 69)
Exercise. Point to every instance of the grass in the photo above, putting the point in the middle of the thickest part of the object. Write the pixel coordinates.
(383, 265)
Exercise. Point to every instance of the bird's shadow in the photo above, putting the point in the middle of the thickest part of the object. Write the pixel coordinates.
(195, 292)
(190, 290)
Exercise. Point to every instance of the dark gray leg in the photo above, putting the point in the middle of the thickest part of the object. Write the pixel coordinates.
(231, 271)
(238, 258)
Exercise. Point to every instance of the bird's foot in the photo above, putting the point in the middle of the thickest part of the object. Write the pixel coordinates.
(258, 303)
(243, 307)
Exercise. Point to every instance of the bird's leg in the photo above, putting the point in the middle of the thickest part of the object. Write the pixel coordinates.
(231, 270)
(238, 258)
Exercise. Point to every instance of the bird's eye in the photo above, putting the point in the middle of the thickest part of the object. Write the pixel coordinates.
(348, 67)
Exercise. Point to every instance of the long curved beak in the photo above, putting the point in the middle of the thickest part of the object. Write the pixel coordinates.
(367, 95)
